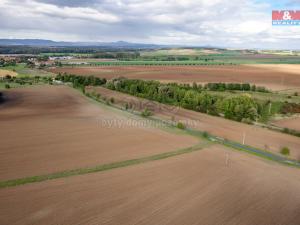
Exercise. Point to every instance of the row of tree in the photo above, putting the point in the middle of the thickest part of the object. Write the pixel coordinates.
(29, 80)
(4, 63)
(241, 108)
(126, 55)
(80, 81)
(234, 87)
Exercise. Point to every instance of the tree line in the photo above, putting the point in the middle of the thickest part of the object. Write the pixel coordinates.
(80, 81)
(26, 80)
(234, 87)
(4, 62)
(240, 108)
(194, 97)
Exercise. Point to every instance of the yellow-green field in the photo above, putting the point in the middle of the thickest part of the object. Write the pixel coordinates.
(3, 73)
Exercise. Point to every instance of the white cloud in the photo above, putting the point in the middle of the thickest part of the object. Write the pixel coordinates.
(36, 9)
(235, 23)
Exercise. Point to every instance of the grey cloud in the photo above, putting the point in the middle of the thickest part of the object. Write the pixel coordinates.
(71, 3)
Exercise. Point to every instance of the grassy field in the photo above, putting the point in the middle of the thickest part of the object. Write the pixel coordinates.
(12, 85)
(201, 61)
(153, 63)
(66, 54)
(272, 96)
(22, 70)
(223, 56)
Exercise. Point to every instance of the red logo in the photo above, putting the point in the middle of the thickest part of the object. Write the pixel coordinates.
(285, 15)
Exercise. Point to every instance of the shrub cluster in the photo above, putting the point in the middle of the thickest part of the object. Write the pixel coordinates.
(146, 113)
(180, 125)
(26, 80)
(285, 151)
(290, 108)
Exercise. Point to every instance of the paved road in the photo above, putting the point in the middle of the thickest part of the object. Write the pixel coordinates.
(256, 151)
(235, 145)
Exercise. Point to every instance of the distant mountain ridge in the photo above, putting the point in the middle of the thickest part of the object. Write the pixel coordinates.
(50, 43)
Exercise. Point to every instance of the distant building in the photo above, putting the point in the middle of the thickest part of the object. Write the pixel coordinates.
(60, 57)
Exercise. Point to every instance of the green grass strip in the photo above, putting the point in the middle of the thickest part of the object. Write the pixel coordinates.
(99, 168)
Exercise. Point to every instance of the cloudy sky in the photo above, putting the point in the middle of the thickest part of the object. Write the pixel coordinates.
(233, 23)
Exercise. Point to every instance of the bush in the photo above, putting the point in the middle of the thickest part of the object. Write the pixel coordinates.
(112, 100)
(180, 126)
(205, 134)
(98, 96)
(126, 106)
(7, 86)
(285, 151)
(146, 113)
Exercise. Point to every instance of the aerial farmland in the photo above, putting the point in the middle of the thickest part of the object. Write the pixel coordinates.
(149, 113)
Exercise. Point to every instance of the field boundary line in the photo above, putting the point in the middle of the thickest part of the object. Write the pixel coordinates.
(100, 168)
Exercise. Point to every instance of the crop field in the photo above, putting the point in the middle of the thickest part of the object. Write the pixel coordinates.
(81, 153)
(161, 112)
(227, 129)
(80, 161)
(47, 129)
(291, 123)
(212, 186)
(23, 70)
(3, 73)
(283, 96)
(179, 51)
(279, 77)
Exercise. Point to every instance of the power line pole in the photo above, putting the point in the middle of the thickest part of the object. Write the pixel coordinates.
(227, 159)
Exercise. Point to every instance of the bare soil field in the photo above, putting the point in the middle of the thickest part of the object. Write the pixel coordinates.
(275, 77)
(291, 123)
(46, 129)
(202, 187)
(254, 136)
(284, 68)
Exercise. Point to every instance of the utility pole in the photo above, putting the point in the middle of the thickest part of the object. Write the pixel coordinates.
(244, 137)
(227, 159)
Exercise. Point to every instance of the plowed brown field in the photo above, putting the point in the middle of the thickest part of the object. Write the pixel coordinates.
(275, 77)
(291, 123)
(194, 188)
(49, 128)
(254, 136)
